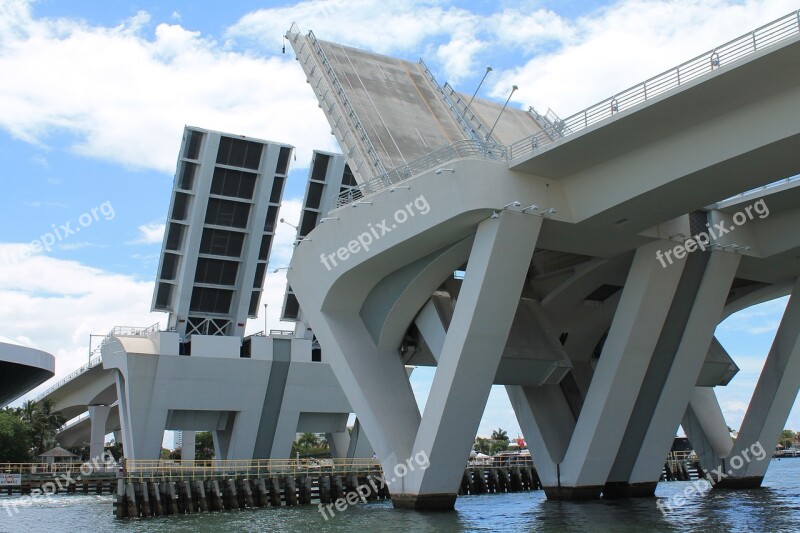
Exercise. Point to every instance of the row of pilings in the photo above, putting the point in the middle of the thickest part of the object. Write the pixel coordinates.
(153, 497)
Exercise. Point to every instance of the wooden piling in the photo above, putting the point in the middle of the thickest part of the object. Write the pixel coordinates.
(275, 492)
(172, 498)
(145, 498)
(248, 493)
(130, 498)
(216, 496)
(263, 496)
(155, 506)
(290, 491)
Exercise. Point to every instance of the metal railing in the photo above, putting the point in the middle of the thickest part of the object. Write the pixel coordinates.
(765, 187)
(468, 122)
(93, 362)
(466, 149)
(95, 357)
(257, 468)
(341, 103)
(57, 468)
(748, 44)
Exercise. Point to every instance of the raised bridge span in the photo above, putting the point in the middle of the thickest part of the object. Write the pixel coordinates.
(598, 255)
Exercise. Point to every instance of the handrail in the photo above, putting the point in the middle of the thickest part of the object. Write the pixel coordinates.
(465, 149)
(93, 362)
(122, 331)
(745, 45)
(340, 96)
(256, 468)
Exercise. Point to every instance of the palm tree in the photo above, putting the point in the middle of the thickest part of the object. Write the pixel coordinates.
(46, 421)
(500, 434)
(308, 440)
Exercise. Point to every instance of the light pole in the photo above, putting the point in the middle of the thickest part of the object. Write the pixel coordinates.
(513, 88)
(265, 320)
(488, 70)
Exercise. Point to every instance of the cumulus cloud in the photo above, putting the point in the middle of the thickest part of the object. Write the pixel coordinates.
(152, 233)
(585, 60)
(124, 97)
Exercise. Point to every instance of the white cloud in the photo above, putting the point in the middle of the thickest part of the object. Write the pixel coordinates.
(613, 48)
(125, 98)
(56, 304)
(404, 27)
(152, 233)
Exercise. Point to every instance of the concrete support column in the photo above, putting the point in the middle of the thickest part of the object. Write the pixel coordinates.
(674, 368)
(98, 415)
(771, 404)
(578, 462)
(705, 426)
(338, 443)
(188, 447)
(497, 268)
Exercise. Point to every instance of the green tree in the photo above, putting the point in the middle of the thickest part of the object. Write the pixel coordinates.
(46, 421)
(482, 445)
(15, 438)
(787, 436)
(500, 434)
(204, 445)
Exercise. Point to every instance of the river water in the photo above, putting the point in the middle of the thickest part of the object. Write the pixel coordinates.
(773, 508)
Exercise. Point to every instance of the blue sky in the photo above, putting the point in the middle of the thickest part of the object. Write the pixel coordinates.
(95, 95)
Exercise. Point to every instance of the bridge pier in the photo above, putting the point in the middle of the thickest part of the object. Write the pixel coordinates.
(98, 416)
(770, 406)
(574, 457)
(674, 369)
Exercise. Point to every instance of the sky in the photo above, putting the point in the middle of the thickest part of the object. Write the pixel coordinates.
(94, 97)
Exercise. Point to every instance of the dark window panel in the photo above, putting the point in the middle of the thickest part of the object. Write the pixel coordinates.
(163, 296)
(227, 213)
(272, 218)
(208, 300)
(320, 167)
(192, 150)
(308, 223)
(252, 311)
(186, 175)
(169, 266)
(174, 236)
(239, 153)
(292, 307)
(314, 195)
(283, 161)
(221, 242)
(236, 183)
(277, 190)
(181, 206)
(258, 282)
(263, 252)
(216, 271)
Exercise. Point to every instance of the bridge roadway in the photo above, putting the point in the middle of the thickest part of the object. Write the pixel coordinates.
(582, 271)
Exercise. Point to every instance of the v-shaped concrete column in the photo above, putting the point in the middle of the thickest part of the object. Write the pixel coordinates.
(424, 456)
(770, 406)
(574, 458)
(706, 428)
(497, 269)
(674, 369)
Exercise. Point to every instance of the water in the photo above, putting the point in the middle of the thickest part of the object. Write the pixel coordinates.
(773, 508)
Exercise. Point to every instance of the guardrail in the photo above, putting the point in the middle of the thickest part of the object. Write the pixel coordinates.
(748, 44)
(466, 149)
(93, 362)
(58, 468)
(140, 470)
(95, 358)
